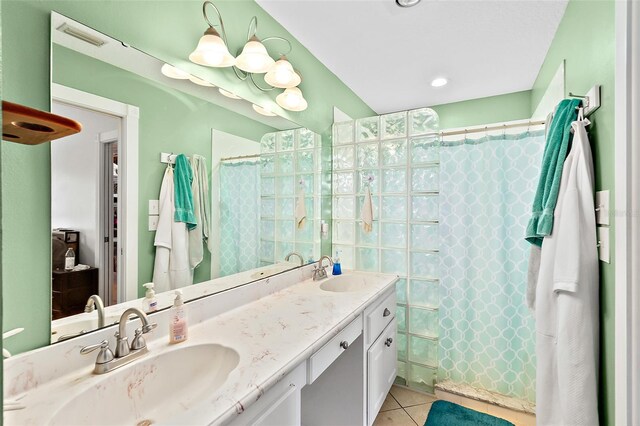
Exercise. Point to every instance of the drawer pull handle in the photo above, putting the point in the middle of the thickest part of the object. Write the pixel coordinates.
(344, 344)
(388, 342)
(386, 312)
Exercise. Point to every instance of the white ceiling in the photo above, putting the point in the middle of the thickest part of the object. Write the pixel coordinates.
(389, 55)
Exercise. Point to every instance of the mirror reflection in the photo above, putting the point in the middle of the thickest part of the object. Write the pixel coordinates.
(170, 183)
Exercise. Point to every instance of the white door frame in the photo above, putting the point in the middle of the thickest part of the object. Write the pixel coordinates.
(627, 213)
(128, 185)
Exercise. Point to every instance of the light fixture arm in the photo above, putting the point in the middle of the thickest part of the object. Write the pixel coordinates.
(290, 48)
(223, 33)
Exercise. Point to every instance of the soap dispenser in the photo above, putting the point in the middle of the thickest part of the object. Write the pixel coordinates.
(337, 269)
(178, 327)
(150, 302)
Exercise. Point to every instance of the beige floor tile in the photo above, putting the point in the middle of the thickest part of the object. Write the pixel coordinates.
(419, 413)
(407, 397)
(389, 404)
(394, 418)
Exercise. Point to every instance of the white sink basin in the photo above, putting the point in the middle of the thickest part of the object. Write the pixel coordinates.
(345, 282)
(153, 389)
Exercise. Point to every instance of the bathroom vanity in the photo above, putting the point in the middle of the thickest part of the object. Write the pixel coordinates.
(286, 350)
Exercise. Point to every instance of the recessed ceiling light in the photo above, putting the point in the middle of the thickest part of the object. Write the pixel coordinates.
(228, 94)
(263, 111)
(407, 3)
(439, 82)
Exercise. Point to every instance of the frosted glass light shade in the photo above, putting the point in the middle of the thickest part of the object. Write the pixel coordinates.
(254, 57)
(173, 72)
(200, 81)
(292, 99)
(282, 75)
(263, 111)
(228, 94)
(211, 51)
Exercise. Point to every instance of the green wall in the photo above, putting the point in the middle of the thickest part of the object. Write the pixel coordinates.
(170, 121)
(586, 40)
(494, 109)
(168, 30)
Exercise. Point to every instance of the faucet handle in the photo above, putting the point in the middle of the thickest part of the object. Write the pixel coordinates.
(138, 341)
(147, 328)
(105, 355)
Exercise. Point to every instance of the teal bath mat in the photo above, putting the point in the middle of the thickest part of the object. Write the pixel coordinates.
(444, 413)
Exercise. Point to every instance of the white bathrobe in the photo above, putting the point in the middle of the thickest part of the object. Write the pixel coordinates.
(171, 266)
(567, 325)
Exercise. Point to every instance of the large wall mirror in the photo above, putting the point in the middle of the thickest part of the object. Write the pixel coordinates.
(257, 199)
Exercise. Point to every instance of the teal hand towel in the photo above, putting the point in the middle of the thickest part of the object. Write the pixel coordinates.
(183, 199)
(555, 152)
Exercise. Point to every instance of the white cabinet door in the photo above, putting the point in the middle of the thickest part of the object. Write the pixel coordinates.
(381, 370)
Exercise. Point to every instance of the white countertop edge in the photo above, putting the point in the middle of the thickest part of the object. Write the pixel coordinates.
(251, 397)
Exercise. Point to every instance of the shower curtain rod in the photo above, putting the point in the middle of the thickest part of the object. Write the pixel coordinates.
(240, 157)
(491, 128)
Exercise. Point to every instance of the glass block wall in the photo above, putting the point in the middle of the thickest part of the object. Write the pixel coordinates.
(400, 152)
(290, 162)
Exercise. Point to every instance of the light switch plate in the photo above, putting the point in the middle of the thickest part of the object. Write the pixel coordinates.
(602, 207)
(604, 253)
(153, 222)
(154, 207)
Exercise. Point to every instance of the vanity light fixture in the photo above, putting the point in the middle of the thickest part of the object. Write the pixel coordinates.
(212, 50)
(253, 58)
(228, 94)
(282, 75)
(439, 82)
(173, 72)
(292, 99)
(263, 111)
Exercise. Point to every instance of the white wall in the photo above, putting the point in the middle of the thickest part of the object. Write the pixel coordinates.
(223, 145)
(75, 177)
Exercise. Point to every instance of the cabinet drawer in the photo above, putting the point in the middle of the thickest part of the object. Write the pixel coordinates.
(319, 361)
(380, 316)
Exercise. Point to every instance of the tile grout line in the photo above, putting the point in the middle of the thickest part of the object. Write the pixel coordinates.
(407, 413)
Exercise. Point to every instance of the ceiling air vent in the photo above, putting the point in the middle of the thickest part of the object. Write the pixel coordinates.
(81, 35)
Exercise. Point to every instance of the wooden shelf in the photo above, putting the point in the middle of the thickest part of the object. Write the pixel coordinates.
(30, 126)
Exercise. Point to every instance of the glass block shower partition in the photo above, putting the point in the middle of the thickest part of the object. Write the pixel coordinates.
(399, 152)
(290, 164)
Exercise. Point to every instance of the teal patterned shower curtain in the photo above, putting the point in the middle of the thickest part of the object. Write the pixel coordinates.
(487, 334)
(239, 217)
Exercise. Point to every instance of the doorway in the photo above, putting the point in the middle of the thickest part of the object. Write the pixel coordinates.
(84, 202)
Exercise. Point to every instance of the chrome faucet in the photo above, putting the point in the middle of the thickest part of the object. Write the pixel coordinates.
(106, 360)
(95, 300)
(293, 253)
(319, 271)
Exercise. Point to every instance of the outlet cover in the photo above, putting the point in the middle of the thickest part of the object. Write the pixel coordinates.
(153, 222)
(154, 207)
(604, 252)
(602, 207)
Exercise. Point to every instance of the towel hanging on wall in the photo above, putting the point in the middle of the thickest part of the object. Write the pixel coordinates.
(367, 211)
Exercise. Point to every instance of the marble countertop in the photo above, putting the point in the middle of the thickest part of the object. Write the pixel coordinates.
(272, 336)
